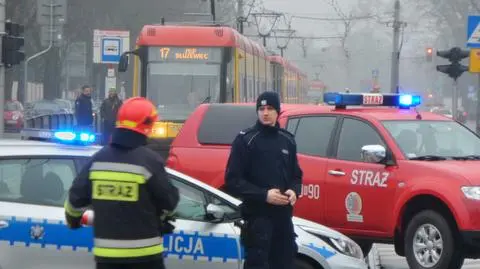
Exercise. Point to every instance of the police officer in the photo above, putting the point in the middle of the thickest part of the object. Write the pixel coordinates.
(83, 108)
(126, 185)
(263, 171)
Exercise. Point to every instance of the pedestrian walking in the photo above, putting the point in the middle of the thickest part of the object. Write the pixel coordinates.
(126, 185)
(263, 171)
(108, 112)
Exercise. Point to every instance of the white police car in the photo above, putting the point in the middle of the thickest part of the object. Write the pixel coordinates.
(34, 180)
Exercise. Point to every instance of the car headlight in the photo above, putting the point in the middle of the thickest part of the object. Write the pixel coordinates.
(342, 244)
(15, 117)
(471, 192)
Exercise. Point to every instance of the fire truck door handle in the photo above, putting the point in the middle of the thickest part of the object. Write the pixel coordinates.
(336, 173)
(3, 224)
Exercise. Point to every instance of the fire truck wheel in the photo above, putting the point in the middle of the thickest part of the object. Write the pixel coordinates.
(430, 242)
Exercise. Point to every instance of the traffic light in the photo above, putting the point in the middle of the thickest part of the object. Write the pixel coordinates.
(12, 44)
(429, 54)
(454, 55)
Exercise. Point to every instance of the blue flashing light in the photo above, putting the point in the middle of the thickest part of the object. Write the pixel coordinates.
(69, 136)
(371, 99)
(407, 100)
(65, 136)
(86, 137)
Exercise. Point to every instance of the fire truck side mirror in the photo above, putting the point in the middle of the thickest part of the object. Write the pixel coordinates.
(374, 153)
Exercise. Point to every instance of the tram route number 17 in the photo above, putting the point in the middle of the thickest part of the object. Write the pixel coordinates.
(310, 191)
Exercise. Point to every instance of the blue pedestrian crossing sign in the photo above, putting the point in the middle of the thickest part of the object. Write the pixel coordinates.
(473, 32)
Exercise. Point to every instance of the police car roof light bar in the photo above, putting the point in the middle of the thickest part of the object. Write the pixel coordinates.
(342, 100)
(60, 136)
(72, 136)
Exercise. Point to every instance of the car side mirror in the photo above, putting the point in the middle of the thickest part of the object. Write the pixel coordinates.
(215, 212)
(374, 153)
(123, 63)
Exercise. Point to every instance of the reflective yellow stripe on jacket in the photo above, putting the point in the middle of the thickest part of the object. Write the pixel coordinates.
(110, 248)
(120, 182)
(73, 211)
(117, 181)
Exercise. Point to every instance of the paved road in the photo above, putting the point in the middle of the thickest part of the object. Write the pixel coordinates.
(389, 260)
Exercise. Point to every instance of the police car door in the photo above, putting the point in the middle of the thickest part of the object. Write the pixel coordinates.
(198, 242)
(359, 195)
(32, 232)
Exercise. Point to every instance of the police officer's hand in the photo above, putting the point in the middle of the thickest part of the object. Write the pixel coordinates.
(292, 196)
(275, 197)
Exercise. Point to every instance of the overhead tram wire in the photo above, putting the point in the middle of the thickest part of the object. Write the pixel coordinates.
(368, 17)
(307, 37)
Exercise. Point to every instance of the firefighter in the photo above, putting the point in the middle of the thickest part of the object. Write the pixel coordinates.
(263, 171)
(126, 186)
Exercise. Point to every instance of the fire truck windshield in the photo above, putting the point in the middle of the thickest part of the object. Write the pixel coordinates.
(446, 139)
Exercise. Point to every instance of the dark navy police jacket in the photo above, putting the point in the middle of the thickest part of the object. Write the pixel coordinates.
(83, 110)
(263, 157)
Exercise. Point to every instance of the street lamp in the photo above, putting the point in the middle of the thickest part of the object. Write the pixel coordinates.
(262, 29)
(282, 38)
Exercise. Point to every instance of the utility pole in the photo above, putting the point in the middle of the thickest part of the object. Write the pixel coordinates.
(212, 11)
(396, 50)
(2, 67)
(240, 16)
(304, 47)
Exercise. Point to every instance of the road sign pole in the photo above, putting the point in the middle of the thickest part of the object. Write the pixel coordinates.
(478, 107)
(2, 68)
(473, 42)
(394, 80)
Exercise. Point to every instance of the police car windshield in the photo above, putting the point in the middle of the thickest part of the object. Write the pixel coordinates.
(446, 139)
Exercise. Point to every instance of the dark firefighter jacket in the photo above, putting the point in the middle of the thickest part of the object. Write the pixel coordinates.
(262, 158)
(127, 187)
(83, 110)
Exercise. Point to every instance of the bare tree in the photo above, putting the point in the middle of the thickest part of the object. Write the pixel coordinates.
(452, 15)
(347, 21)
(475, 5)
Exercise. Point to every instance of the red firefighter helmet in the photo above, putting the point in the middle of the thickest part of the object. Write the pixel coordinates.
(137, 114)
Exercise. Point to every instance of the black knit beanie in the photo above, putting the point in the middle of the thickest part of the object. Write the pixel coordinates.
(269, 99)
